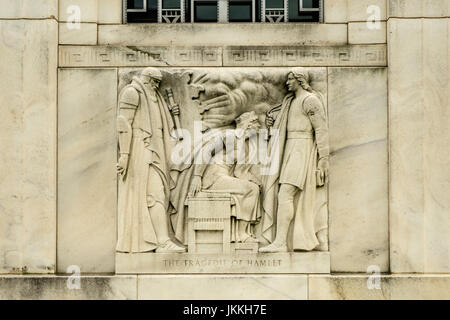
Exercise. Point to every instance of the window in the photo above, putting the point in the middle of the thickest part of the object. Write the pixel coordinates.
(223, 11)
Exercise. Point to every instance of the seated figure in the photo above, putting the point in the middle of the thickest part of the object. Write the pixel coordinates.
(235, 178)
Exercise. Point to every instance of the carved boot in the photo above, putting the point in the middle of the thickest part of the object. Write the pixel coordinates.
(170, 247)
(274, 248)
(322, 236)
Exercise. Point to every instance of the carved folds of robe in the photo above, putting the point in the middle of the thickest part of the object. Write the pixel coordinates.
(302, 137)
(147, 181)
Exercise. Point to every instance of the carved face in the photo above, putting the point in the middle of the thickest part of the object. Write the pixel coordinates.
(292, 83)
(154, 83)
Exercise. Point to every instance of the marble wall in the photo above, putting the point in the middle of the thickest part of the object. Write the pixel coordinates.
(87, 184)
(390, 178)
(419, 135)
(28, 85)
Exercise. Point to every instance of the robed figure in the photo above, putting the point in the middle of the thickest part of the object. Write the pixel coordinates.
(144, 125)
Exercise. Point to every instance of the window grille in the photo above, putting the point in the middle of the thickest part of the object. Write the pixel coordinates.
(222, 11)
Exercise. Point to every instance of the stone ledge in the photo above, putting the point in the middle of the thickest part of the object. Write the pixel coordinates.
(391, 287)
(226, 287)
(147, 34)
(57, 287)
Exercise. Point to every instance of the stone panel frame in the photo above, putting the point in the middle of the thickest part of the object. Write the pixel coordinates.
(118, 57)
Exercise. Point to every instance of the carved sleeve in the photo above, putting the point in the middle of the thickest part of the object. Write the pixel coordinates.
(313, 108)
(128, 104)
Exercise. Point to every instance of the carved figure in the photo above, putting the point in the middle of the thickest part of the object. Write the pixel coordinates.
(291, 195)
(144, 125)
(233, 178)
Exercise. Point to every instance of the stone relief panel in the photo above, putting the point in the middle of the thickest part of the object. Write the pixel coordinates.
(222, 170)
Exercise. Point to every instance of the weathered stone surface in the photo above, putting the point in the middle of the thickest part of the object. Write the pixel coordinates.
(109, 11)
(86, 34)
(307, 262)
(30, 9)
(87, 184)
(305, 56)
(360, 33)
(359, 175)
(28, 139)
(392, 287)
(362, 10)
(216, 287)
(419, 145)
(58, 288)
(111, 56)
(418, 8)
(222, 34)
(336, 11)
(88, 10)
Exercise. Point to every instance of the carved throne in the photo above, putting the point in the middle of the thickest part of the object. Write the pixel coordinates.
(211, 225)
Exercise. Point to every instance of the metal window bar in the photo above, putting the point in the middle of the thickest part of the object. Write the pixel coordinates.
(302, 8)
(171, 15)
(272, 15)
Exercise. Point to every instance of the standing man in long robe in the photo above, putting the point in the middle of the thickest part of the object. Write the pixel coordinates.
(144, 126)
(291, 194)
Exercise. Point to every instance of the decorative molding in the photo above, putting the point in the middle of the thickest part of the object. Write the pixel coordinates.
(229, 56)
(356, 55)
(119, 56)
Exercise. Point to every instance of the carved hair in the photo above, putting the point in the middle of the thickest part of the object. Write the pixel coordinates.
(302, 76)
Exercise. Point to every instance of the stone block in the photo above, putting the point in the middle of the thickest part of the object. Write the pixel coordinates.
(358, 190)
(419, 145)
(391, 287)
(217, 287)
(70, 9)
(418, 8)
(364, 33)
(87, 183)
(29, 9)
(363, 10)
(110, 11)
(336, 11)
(65, 288)
(28, 85)
(151, 34)
(86, 34)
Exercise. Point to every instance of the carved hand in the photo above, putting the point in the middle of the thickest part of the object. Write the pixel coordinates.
(269, 121)
(176, 110)
(323, 167)
(122, 165)
(196, 186)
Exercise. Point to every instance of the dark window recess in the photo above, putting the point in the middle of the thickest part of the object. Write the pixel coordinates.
(240, 11)
(296, 15)
(205, 11)
(146, 11)
(151, 15)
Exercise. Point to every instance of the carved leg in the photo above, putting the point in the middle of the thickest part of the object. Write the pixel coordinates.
(285, 214)
(244, 234)
(158, 215)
